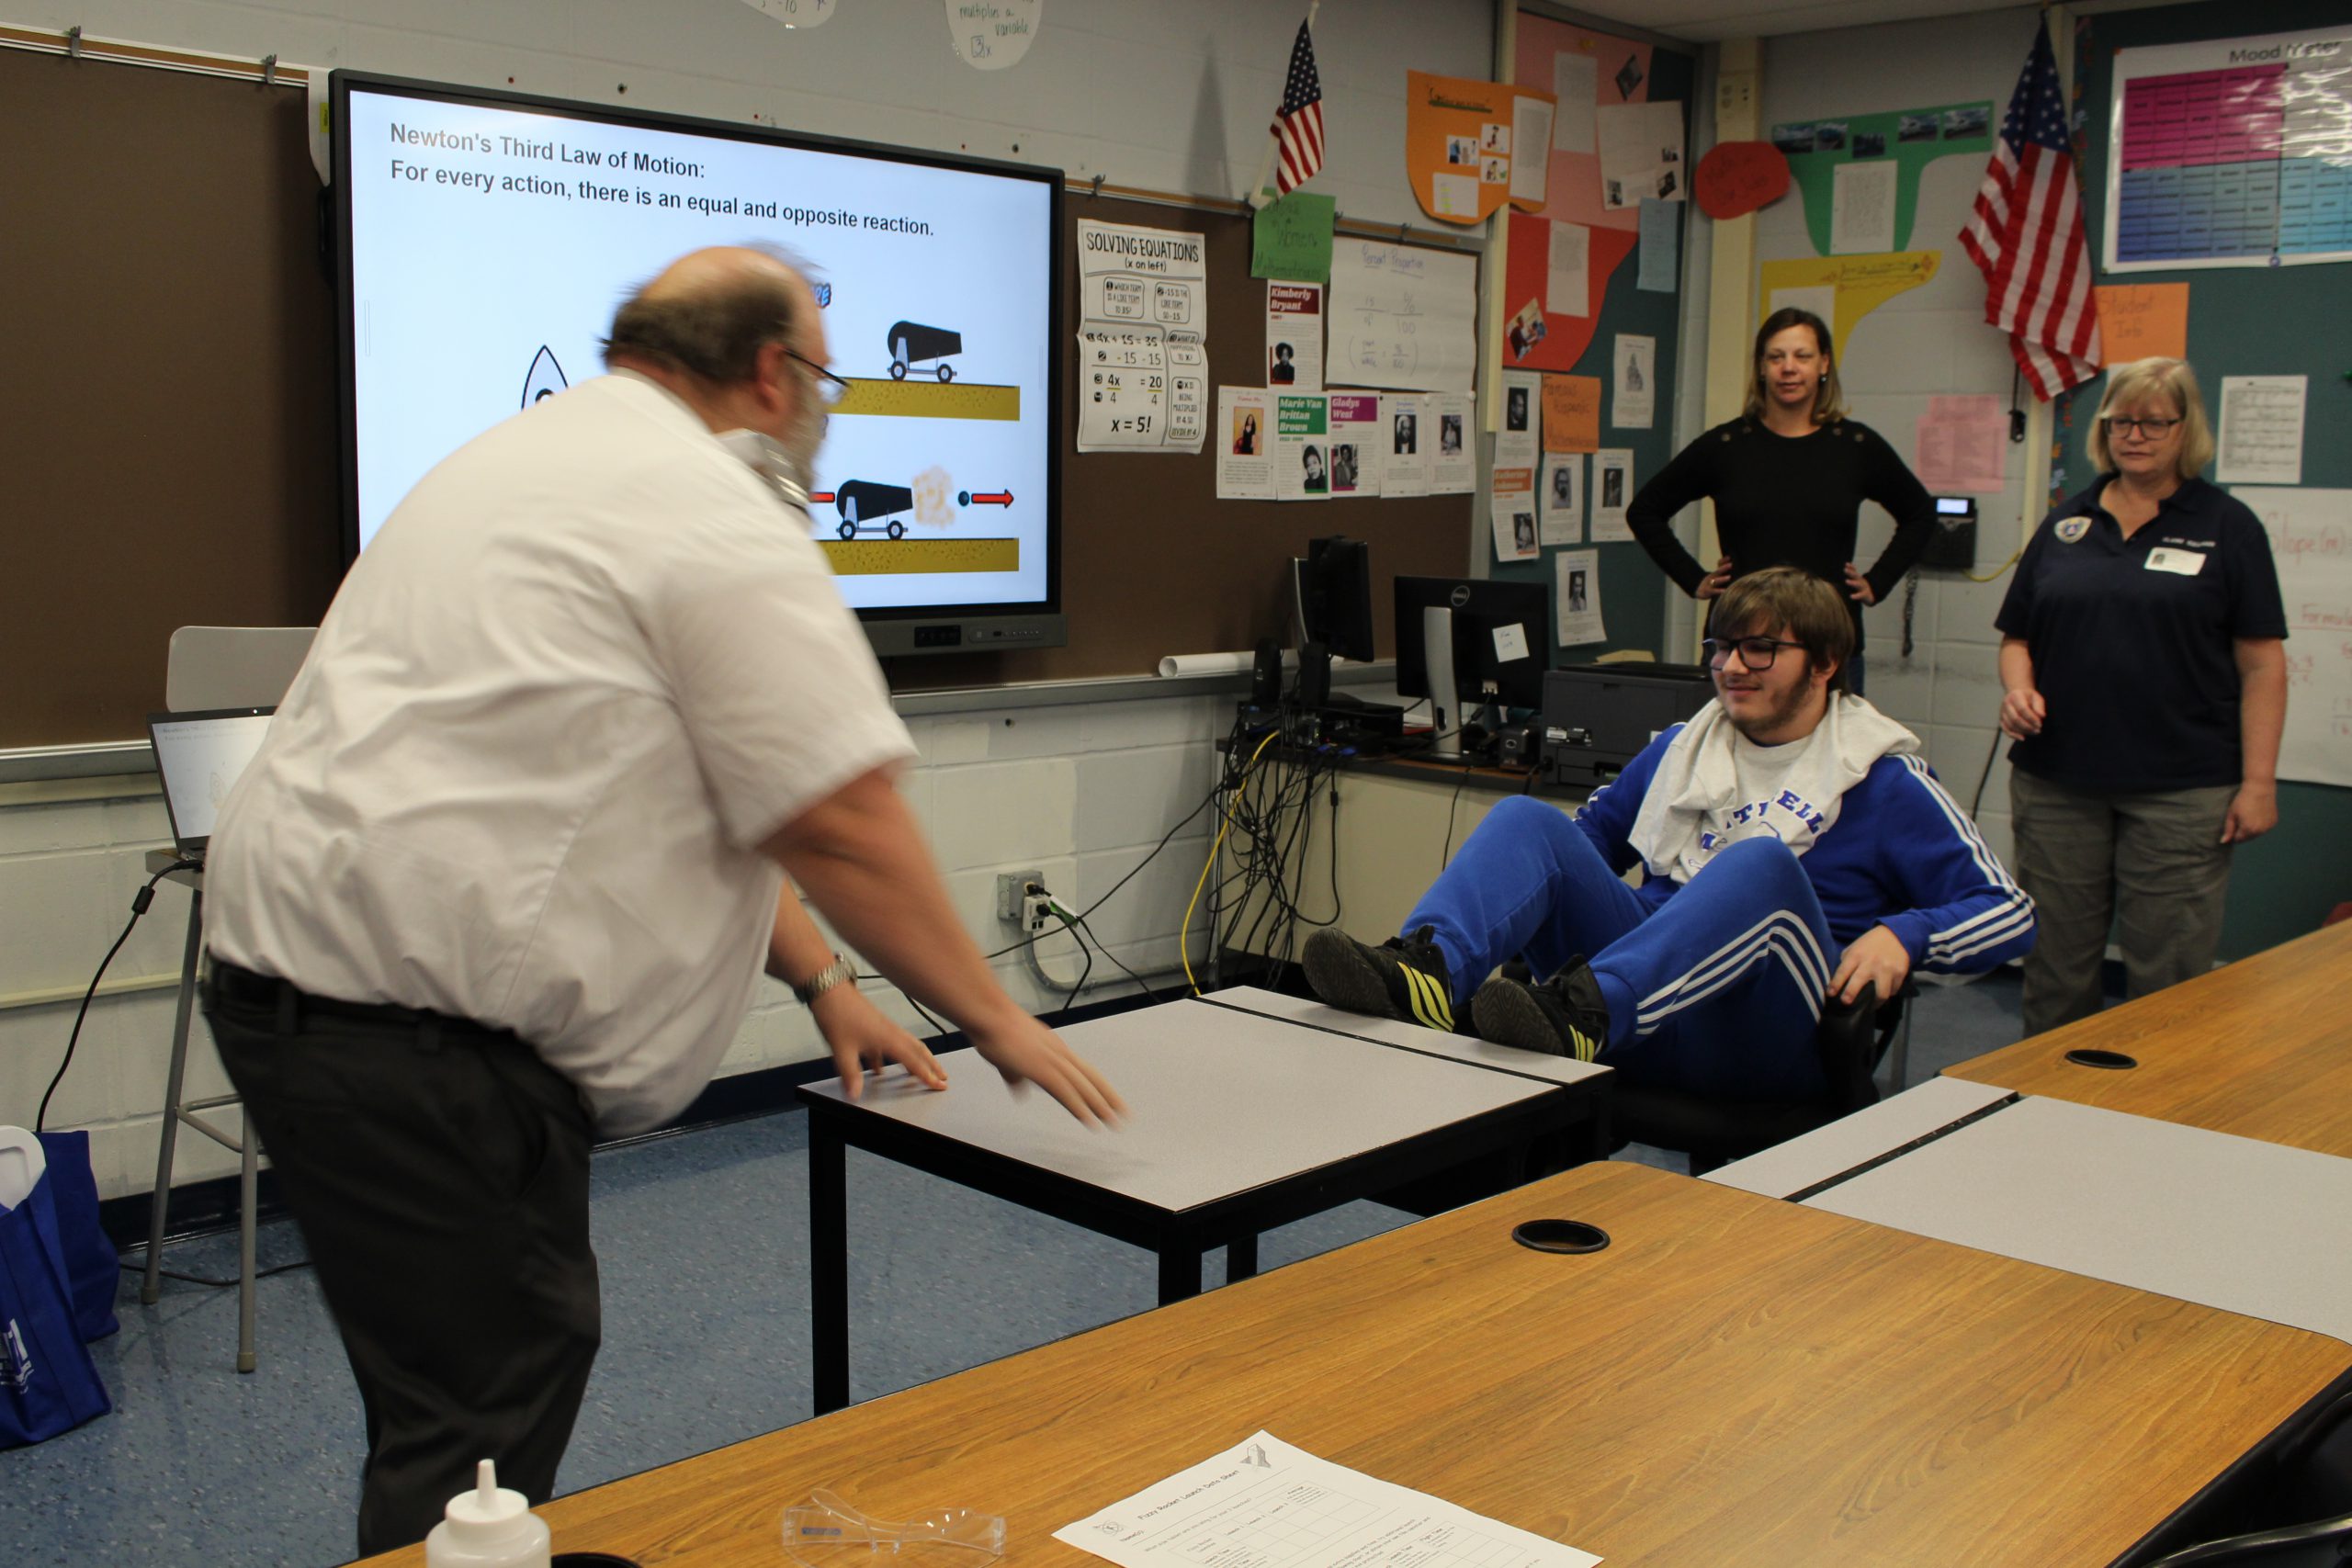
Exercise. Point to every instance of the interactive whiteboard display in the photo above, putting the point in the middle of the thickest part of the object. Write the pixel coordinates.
(488, 238)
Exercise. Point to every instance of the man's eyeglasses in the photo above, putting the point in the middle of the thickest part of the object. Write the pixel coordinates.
(2154, 429)
(830, 388)
(1755, 652)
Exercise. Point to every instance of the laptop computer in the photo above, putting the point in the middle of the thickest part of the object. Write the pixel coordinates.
(200, 755)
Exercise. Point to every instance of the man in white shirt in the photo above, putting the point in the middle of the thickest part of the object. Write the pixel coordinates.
(508, 868)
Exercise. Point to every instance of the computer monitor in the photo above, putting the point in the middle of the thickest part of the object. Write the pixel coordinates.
(1331, 600)
(1495, 648)
(1333, 593)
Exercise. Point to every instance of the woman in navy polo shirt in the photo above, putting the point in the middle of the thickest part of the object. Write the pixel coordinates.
(2144, 684)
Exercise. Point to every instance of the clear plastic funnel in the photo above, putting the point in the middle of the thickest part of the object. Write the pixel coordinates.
(826, 1533)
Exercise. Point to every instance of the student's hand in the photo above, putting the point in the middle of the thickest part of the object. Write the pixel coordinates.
(861, 1038)
(2254, 812)
(2022, 712)
(1877, 956)
(1858, 586)
(1715, 582)
(1025, 1050)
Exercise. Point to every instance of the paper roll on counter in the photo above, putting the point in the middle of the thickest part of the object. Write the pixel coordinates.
(1218, 663)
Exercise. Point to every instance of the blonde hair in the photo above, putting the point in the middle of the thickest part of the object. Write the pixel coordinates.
(2144, 381)
(1829, 398)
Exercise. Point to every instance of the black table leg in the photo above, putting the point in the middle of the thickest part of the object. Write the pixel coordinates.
(1180, 1271)
(1241, 1257)
(828, 1263)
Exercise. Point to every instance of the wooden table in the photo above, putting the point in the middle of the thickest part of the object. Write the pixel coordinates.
(2262, 1048)
(1241, 1122)
(1734, 1380)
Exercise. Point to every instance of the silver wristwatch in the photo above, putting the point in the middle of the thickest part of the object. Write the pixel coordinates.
(824, 979)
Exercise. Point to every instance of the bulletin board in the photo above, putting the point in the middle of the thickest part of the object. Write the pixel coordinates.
(169, 424)
(2283, 321)
(1620, 71)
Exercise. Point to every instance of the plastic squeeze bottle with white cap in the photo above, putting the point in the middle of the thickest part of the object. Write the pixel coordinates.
(488, 1527)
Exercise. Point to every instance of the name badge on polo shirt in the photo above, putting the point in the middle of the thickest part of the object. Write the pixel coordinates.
(2187, 563)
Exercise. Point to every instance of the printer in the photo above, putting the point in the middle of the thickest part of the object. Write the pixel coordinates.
(1597, 717)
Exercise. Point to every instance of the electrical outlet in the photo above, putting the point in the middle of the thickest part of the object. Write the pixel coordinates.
(1012, 891)
(1037, 910)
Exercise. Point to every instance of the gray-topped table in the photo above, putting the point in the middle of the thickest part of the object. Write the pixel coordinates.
(2248, 1226)
(1239, 1122)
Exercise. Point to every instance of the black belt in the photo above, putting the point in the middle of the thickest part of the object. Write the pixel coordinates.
(238, 986)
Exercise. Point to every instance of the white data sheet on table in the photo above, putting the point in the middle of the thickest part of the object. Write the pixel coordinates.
(1271, 1506)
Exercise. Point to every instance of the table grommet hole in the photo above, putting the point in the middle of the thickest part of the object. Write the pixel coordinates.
(1560, 1236)
(2090, 1056)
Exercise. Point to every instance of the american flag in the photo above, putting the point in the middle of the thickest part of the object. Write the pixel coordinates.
(2027, 238)
(1298, 124)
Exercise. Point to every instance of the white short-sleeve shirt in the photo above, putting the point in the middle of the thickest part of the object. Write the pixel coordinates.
(588, 665)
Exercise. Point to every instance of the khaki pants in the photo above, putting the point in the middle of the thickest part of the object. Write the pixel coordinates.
(2149, 865)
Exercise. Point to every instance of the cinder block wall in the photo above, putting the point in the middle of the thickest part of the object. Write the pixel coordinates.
(1082, 794)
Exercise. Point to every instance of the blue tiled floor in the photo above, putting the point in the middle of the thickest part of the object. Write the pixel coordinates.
(703, 1243)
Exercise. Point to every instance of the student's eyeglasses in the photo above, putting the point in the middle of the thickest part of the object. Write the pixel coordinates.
(830, 389)
(1755, 652)
(2154, 429)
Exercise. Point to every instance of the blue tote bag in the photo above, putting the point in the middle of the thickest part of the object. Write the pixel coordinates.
(92, 1270)
(48, 1383)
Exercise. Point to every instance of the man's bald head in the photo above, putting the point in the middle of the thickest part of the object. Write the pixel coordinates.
(710, 312)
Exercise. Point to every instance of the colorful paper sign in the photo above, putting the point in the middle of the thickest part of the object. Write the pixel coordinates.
(2143, 320)
(1291, 238)
(1572, 413)
(1738, 177)
(1459, 145)
(1908, 139)
(1851, 285)
(1555, 341)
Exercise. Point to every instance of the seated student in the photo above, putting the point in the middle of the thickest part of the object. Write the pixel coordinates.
(1795, 849)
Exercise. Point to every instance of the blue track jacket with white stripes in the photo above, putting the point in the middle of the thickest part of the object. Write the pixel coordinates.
(1901, 854)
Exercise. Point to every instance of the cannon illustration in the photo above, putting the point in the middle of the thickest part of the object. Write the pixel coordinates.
(910, 341)
(867, 507)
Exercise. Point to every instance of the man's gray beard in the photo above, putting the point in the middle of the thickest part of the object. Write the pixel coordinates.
(799, 453)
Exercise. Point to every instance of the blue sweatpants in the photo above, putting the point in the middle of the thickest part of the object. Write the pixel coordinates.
(1718, 990)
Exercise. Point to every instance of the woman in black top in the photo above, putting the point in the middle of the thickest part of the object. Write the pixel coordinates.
(1789, 477)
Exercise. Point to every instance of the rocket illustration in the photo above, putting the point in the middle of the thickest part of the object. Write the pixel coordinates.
(546, 378)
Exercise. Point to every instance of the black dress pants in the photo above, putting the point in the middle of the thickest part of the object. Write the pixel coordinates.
(439, 1173)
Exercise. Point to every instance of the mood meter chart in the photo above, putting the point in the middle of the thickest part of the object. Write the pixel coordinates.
(2232, 152)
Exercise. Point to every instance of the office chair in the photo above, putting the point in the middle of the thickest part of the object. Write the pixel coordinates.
(1709, 1131)
(2309, 1476)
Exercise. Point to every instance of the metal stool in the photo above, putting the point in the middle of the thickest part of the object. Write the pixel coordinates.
(177, 1110)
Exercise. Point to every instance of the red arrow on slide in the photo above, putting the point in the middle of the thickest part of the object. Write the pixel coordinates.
(990, 498)
(821, 495)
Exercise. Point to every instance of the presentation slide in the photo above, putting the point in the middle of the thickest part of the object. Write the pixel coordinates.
(491, 243)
